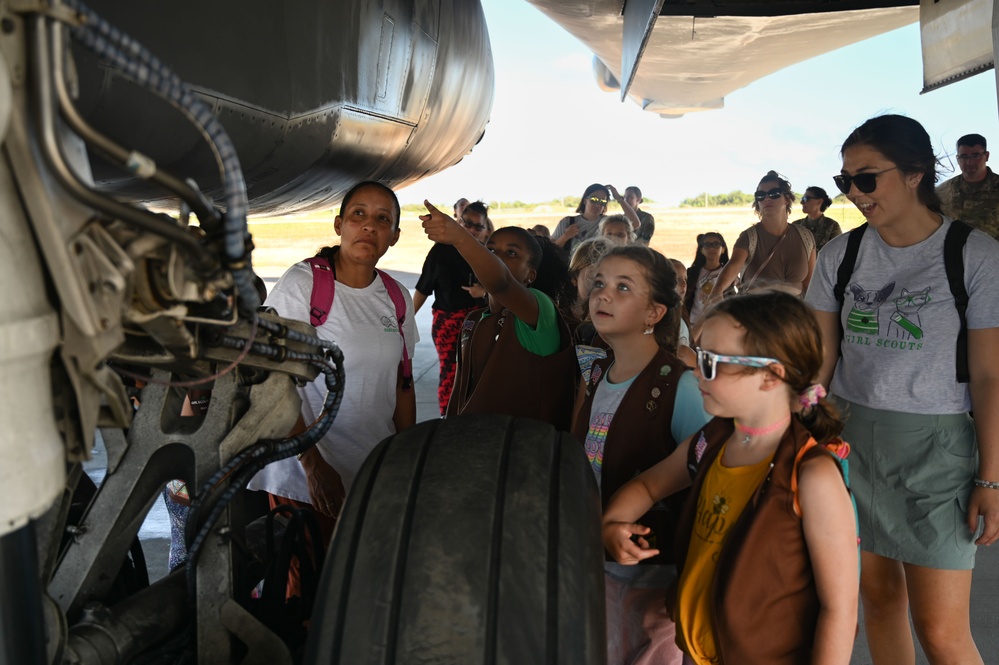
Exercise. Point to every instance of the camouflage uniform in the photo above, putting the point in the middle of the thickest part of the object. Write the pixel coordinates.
(824, 229)
(976, 203)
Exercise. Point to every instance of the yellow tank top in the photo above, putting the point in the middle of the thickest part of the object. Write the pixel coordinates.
(724, 495)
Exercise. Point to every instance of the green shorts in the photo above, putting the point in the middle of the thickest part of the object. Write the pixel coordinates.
(912, 476)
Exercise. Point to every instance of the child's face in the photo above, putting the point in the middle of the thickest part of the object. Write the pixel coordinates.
(734, 387)
(681, 280)
(510, 248)
(616, 233)
(620, 300)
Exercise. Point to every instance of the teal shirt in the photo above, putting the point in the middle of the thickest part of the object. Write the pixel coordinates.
(544, 339)
(688, 409)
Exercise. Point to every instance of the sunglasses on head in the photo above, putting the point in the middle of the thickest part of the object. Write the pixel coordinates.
(865, 182)
(774, 193)
(707, 362)
(599, 201)
(472, 225)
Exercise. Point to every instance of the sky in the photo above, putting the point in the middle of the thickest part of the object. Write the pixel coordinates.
(553, 131)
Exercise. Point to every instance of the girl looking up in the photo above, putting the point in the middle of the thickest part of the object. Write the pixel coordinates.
(516, 355)
(766, 543)
(637, 405)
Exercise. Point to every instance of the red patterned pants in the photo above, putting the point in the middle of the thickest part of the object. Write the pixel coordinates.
(445, 330)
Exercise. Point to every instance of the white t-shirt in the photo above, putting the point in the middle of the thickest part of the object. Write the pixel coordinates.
(900, 325)
(363, 323)
(706, 280)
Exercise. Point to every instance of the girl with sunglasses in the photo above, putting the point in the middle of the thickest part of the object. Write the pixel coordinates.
(814, 203)
(450, 279)
(771, 252)
(712, 255)
(926, 475)
(592, 210)
(766, 544)
(636, 406)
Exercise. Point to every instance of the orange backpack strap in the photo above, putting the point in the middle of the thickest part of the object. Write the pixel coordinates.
(837, 448)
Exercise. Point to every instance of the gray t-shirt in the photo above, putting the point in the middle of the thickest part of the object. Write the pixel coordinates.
(899, 320)
(587, 229)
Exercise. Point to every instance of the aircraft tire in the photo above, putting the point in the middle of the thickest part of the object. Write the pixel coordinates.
(468, 540)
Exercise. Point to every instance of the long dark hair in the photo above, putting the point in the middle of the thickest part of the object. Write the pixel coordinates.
(904, 142)
(694, 271)
(586, 194)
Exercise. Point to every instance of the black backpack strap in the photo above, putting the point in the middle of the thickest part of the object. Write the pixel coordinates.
(846, 266)
(954, 242)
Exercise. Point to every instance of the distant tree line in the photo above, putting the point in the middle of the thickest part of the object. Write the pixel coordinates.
(569, 202)
(736, 198)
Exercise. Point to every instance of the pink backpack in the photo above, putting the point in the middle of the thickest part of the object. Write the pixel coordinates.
(323, 288)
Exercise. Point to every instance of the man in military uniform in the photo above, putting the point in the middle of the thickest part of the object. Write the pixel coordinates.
(973, 196)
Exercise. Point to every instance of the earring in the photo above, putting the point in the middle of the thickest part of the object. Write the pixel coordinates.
(648, 331)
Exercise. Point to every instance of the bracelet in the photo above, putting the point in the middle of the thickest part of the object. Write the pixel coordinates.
(986, 483)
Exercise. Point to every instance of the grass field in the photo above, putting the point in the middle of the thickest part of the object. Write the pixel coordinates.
(280, 242)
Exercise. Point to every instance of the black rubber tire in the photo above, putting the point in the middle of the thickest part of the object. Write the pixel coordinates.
(469, 540)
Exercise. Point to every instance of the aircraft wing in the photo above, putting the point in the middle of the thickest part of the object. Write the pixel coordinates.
(687, 56)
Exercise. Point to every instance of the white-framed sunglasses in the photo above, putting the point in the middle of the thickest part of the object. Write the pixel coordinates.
(707, 362)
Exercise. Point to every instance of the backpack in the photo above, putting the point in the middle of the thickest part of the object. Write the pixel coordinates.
(837, 448)
(323, 288)
(954, 242)
(807, 239)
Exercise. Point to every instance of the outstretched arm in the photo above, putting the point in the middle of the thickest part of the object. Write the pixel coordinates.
(831, 535)
(629, 212)
(635, 499)
(489, 270)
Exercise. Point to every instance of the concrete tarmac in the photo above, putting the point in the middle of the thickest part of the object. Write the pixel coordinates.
(985, 585)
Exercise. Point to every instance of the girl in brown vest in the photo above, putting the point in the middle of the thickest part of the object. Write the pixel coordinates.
(766, 543)
(515, 356)
(636, 406)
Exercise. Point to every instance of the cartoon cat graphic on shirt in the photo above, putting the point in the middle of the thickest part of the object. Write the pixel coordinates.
(905, 323)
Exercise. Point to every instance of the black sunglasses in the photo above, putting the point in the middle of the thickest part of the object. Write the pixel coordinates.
(774, 193)
(865, 182)
(472, 225)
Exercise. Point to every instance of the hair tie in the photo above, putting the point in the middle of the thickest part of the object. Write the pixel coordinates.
(811, 395)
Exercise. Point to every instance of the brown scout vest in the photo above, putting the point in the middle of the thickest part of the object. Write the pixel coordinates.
(497, 375)
(765, 604)
(639, 437)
